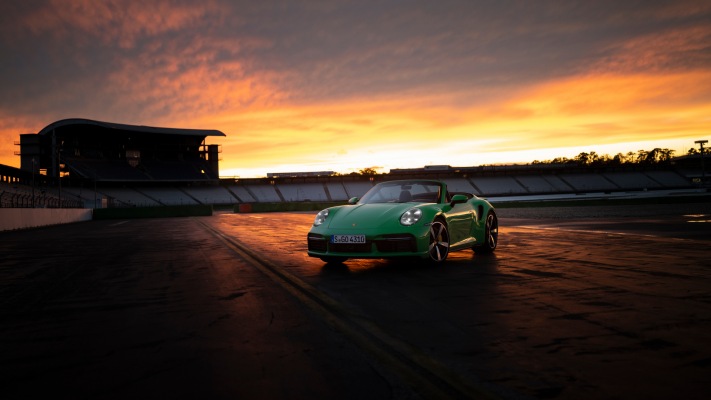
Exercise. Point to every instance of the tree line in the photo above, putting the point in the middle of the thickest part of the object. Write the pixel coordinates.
(655, 156)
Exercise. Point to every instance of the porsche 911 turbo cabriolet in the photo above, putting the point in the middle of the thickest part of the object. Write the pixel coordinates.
(405, 218)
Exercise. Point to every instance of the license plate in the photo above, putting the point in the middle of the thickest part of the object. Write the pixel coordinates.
(348, 239)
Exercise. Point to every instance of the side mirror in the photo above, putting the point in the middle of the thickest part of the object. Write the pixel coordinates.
(353, 200)
(458, 199)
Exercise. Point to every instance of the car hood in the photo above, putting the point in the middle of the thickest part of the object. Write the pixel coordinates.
(368, 216)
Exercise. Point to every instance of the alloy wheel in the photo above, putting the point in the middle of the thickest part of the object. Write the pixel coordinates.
(439, 242)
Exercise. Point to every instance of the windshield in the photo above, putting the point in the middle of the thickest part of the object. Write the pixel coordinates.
(403, 192)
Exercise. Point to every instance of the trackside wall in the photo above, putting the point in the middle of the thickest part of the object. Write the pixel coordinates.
(22, 218)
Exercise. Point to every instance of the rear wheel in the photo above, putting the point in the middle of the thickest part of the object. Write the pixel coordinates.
(439, 241)
(491, 234)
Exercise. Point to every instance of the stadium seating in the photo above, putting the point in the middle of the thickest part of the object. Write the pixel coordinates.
(302, 192)
(167, 196)
(589, 182)
(241, 193)
(263, 193)
(22, 196)
(540, 184)
(210, 194)
(459, 185)
(141, 192)
(337, 191)
(489, 186)
(123, 197)
(356, 189)
(668, 179)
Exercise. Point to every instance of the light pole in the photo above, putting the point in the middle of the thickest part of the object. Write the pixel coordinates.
(33, 181)
(701, 144)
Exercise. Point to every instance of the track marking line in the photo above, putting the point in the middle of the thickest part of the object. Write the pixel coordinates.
(593, 231)
(119, 223)
(426, 376)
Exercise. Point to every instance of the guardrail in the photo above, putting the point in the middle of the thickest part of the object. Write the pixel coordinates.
(9, 199)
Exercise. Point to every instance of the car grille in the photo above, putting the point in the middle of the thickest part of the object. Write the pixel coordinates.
(350, 247)
(396, 244)
(317, 243)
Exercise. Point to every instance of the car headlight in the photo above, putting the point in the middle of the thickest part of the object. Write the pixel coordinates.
(411, 216)
(321, 217)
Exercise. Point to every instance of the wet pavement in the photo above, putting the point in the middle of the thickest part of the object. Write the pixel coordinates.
(576, 304)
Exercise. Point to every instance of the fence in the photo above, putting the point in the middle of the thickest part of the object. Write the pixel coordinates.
(15, 197)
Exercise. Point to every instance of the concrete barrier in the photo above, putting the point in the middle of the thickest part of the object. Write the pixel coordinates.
(22, 218)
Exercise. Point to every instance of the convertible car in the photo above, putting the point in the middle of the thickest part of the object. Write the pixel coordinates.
(406, 218)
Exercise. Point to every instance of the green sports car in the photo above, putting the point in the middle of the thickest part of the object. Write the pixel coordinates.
(406, 218)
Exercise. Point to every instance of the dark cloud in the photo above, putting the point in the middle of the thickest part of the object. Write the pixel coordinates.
(129, 59)
(350, 49)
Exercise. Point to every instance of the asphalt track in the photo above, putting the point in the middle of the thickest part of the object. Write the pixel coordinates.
(576, 303)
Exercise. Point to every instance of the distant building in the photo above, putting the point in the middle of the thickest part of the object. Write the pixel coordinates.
(80, 150)
(299, 174)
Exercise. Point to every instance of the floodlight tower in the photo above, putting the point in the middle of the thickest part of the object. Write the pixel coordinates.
(701, 144)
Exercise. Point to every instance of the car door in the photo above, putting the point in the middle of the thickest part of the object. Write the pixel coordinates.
(460, 218)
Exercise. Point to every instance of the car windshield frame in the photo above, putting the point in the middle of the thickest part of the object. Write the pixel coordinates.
(409, 191)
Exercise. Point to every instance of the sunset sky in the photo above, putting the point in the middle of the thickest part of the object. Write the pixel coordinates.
(345, 85)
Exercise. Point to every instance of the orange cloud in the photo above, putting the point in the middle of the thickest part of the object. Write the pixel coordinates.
(119, 21)
(645, 90)
(571, 115)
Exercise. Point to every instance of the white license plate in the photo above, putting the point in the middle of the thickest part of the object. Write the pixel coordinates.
(348, 239)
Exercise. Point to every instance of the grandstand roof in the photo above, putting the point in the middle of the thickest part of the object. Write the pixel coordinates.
(81, 122)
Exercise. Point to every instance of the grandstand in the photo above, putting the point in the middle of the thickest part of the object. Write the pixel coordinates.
(103, 164)
(93, 164)
(81, 151)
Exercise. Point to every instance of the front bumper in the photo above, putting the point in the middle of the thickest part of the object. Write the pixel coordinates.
(375, 246)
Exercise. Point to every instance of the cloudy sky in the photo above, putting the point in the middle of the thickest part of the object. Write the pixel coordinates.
(344, 85)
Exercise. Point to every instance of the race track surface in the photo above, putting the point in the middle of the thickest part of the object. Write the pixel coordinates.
(576, 303)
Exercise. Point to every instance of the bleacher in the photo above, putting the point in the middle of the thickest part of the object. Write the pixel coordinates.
(126, 197)
(459, 185)
(337, 191)
(632, 180)
(105, 169)
(210, 194)
(143, 193)
(303, 192)
(589, 182)
(243, 196)
(17, 195)
(263, 193)
(88, 197)
(668, 179)
(357, 189)
(541, 184)
(503, 185)
(167, 196)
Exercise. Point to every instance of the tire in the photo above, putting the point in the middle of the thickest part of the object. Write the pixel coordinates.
(439, 242)
(491, 234)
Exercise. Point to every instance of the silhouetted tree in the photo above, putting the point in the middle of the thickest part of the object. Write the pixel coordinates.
(666, 155)
(654, 156)
(642, 156)
(368, 171)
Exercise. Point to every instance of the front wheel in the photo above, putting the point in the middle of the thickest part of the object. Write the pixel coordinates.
(491, 234)
(439, 242)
